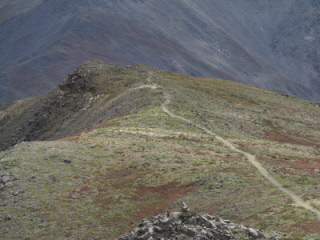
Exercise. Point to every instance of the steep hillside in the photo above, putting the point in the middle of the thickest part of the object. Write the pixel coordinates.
(239, 152)
(270, 44)
(84, 99)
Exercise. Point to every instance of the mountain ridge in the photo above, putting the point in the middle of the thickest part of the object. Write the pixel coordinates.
(74, 96)
(153, 139)
(262, 44)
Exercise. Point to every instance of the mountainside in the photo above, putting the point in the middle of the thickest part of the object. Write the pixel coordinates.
(270, 44)
(123, 144)
(85, 98)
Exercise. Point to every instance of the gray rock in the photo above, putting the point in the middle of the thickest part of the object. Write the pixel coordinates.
(188, 231)
(210, 224)
(5, 178)
(164, 220)
(16, 193)
(232, 226)
(191, 221)
(174, 215)
(8, 217)
(146, 236)
(253, 232)
(202, 219)
(184, 208)
(243, 227)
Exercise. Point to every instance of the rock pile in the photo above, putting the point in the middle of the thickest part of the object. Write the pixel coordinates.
(188, 225)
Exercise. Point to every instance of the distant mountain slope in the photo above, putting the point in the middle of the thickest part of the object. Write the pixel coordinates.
(11, 8)
(135, 142)
(271, 44)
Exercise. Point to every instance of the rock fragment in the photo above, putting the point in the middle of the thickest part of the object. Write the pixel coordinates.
(8, 217)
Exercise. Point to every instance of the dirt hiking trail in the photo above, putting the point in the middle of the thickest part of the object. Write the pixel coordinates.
(251, 158)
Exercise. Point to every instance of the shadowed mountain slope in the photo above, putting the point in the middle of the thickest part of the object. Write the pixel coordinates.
(138, 141)
(271, 44)
(85, 98)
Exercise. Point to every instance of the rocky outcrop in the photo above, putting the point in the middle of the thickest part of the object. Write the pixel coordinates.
(6, 180)
(81, 101)
(186, 224)
(81, 81)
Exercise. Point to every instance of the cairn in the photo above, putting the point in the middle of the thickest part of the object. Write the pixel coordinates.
(186, 224)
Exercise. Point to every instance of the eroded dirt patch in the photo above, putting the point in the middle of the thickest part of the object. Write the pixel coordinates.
(278, 134)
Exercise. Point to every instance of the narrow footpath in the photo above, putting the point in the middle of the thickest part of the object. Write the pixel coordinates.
(251, 158)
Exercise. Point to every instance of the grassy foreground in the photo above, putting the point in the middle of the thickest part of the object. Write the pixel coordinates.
(99, 184)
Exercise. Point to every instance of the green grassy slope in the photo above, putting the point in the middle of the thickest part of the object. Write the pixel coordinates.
(102, 182)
